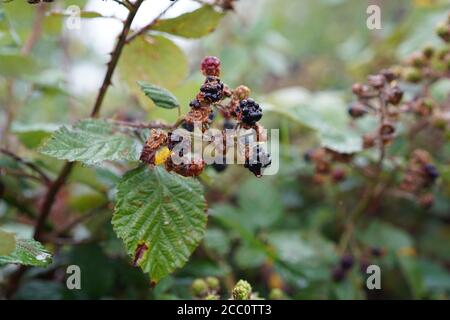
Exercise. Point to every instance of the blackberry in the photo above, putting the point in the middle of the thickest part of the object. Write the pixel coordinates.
(210, 66)
(195, 104)
(256, 163)
(212, 90)
(347, 262)
(431, 171)
(250, 111)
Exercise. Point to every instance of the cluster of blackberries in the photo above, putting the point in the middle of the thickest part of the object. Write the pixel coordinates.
(258, 159)
(250, 111)
(160, 147)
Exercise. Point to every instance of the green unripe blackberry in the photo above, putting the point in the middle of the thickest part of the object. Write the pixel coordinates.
(242, 290)
(199, 287)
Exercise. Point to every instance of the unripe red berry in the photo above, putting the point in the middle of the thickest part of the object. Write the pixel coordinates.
(210, 66)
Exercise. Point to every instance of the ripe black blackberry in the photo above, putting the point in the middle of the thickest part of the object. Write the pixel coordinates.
(250, 111)
(259, 160)
(212, 90)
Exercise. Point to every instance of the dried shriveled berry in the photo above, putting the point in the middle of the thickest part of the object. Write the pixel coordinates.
(241, 93)
(389, 74)
(357, 110)
(250, 111)
(210, 66)
(211, 91)
(369, 140)
(394, 95)
(156, 139)
(191, 169)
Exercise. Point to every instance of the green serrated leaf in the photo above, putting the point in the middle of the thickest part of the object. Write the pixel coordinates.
(161, 218)
(161, 97)
(7, 243)
(155, 60)
(91, 141)
(193, 24)
(28, 252)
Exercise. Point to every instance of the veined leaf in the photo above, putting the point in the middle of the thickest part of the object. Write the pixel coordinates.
(7, 242)
(28, 252)
(91, 141)
(161, 218)
(160, 96)
(193, 24)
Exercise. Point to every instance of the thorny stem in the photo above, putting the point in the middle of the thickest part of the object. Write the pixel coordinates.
(65, 171)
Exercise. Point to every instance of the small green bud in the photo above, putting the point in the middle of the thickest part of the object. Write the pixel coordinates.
(412, 74)
(277, 294)
(212, 297)
(199, 287)
(213, 283)
(242, 290)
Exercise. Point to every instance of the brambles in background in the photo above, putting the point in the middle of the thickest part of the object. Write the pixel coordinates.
(420, 175)
(238, 111)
